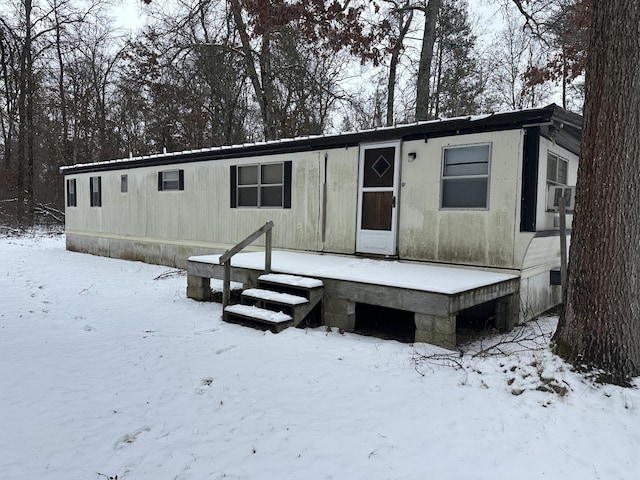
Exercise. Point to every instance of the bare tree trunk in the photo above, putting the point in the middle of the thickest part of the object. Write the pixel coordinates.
(438, 82)
(7, 58)
(64, 140)
(24, 99)
(395, 59)
(271, 130)
(426, 57)
(263, 97)
(600, 322)
(30, 138)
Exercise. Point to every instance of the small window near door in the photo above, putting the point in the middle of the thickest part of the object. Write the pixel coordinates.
(465, 177)
(124, 183)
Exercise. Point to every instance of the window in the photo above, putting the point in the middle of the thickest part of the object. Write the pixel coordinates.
(124, 183)
(557, 169)
(71, 193)
(465, 176)
(95, 189)
(171, 180)
(263, 186)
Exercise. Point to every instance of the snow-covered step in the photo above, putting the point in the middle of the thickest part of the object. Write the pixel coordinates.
(257, 317)
(270, 296)
(290, 280)
(312, 289)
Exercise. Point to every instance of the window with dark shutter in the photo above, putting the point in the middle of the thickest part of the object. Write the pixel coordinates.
(261, 186)
(71, 193)
(169, 180)
(95, 190)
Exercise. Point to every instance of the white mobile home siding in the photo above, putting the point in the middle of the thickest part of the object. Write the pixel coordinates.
(469, 237)
(200, 216)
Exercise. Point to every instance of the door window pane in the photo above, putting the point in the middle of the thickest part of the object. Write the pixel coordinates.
(377, 210)
(378, 167)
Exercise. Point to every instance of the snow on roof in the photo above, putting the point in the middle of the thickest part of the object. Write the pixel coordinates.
(415, 276)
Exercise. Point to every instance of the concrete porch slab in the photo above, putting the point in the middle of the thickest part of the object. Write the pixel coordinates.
(434, 293)
(409, 275)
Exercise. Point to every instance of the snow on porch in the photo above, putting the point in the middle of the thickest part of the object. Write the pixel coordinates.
(415, 276)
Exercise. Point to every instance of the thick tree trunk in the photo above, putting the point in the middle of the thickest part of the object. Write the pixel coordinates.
(426, 57)
(600, 323)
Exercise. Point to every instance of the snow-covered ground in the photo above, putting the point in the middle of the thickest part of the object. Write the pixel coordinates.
(106, 369)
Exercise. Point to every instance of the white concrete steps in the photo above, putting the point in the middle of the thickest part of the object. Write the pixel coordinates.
(257, 317)
(279, 301)
(293, 281)
(259, 294)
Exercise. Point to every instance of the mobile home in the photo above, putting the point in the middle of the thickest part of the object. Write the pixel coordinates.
(476, 193)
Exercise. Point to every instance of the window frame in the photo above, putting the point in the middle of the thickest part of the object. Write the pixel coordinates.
(124, 183)
(261, 186)
(559, 160)
(72, 193)
(95, 191)
(448, 178)
(175, 185)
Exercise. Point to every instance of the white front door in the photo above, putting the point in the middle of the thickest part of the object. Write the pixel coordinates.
(377, 198)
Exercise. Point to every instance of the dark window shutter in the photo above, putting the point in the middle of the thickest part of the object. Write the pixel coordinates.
(288, 167)
(180, 179)
(91, 192)
(99, 191)
(159, 181)
(232, 186)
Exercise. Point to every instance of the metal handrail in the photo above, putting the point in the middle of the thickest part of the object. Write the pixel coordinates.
(225, 258)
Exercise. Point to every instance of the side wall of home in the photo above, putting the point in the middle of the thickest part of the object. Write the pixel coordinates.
(539, 252)
(168, 226)
(461, 236)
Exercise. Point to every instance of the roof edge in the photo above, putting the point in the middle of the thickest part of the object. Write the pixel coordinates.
(433, 128)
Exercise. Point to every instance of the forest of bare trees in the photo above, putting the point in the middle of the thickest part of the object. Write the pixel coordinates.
(75, 89)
